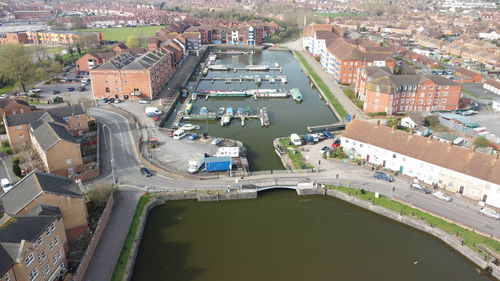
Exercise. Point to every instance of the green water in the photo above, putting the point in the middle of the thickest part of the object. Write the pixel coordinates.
(281, 236)
(286, 115)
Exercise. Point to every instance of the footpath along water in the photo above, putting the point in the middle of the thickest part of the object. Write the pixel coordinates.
(286, 116)
(281, 236)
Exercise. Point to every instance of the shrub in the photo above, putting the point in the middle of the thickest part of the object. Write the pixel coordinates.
(481, 142)
(5, 143)
(380, 113)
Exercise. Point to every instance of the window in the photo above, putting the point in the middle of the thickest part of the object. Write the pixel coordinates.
(445, 94)
(21, 136)
(423, 87)
(33, 274)
(46, 269)
(431, 87)
(429, 101)
(77, 116)
(443, 101)
(66, 118)
(422, 95)
(430, 95)
(56, 240)
(7, 276)
(437, 94)
(59, 254)
(68, 161)
(39, 241)
(107, 81)
(420, 101)
(47, 231)
(107, 90)
(54, 259)
(78, 124)
(29, 259)
(447, 87)
(394, 155)
(44, 255)
(53, 227)
(51, 245)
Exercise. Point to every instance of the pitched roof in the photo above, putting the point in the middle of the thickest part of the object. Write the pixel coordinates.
(130, 60)
(56, 113)
(48, 134)
(6, 102)
(6, 261)
(103, 55)
(456, 158)
(24, 227)
(34, 184)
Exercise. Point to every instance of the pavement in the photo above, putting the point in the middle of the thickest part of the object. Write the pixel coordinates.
(336, 90)
(108, 250)
(489, 119)
(480, 94)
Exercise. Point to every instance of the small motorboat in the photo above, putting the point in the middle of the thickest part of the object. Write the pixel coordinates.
(221, 111)
(248, 110)
(239, 111)
(203, 110)
(189, 127)
(229, 111)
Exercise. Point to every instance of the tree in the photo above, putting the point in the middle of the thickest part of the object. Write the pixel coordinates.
(133, 42)
(56, 67)
(481, 142)
(71, 51)
(99, 195)
(392, 122)
(29, 157)
(79, 49)
(17, 65)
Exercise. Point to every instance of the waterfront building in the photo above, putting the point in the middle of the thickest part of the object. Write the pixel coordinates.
(317, 36)
(382, 91)
(52, 37)
(136, 76)
(457, 169)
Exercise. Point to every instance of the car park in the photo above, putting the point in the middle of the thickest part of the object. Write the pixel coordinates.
(420, 188)
(146, 172)
(441, 196)
(383, 176)
(489, 213)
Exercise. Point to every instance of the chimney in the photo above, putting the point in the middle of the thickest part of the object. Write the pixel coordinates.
(378, 123)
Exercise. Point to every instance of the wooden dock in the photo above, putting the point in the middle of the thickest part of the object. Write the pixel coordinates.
(264, 117)
(331, 127)
(280, 69)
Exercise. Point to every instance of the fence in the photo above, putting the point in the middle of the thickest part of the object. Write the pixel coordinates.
(89, 252)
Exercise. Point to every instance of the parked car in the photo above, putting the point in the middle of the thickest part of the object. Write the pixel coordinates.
(215, 141)
(420, 188)
(336, 143)
(55, 92)
(111, 100)
(4, 96)
(81, 88)
(71, 89)
(146, 172)
(383, 176)
(442, 196)
(324, 149)
(117, 101)
(193, 137)
(35, 91)
(104, 100)
(21, 94)
(490, 213)
(144, 101)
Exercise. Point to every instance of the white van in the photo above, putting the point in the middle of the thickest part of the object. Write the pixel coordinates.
(179, 134)
(5, 183)
(295, 139)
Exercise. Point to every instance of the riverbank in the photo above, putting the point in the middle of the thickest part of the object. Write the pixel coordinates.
(461, 240)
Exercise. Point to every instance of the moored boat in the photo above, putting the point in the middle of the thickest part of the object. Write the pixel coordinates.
(203, 110)
(229, 111)
(221, 111)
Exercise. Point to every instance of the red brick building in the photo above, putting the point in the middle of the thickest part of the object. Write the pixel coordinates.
(91, 60)
(383, 91)
(133, 76)
(13, 38)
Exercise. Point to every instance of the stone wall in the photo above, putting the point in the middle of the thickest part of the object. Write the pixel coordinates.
(89, 252)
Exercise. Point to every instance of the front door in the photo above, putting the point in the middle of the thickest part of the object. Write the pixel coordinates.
(367, 158)
(461, 190)
(401, 169)
(484, 198)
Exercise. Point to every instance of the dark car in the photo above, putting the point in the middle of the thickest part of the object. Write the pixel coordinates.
(71, 89)
(55, 92)
(81, 88)
(383, 176)
(420, 188)
(146, 172)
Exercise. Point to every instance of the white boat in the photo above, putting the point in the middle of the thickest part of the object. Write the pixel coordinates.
(225, 120)
(189, 127)
(212, 57)
(218, 67)
(194, 96)
(277, 65)
(257, 67)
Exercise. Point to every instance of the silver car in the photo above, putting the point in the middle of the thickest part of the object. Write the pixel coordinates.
(490, 213)
(442, 196)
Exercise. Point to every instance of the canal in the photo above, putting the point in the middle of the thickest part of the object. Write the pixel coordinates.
(281, 236)
(286, 115)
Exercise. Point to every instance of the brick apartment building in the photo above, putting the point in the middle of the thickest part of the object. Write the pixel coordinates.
(134, 76)
(33, 246)
(342, 58)
(383, 91)
(93, 59)
(52, 37)
(14, 106)
(39, 190)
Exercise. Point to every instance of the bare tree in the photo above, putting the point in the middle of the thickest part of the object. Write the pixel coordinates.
(17, 65)
(29, 157)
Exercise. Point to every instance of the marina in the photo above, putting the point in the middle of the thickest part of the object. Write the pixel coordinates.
(284, 114)
(254, 78)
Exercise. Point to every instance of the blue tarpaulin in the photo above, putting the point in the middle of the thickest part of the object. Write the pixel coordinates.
(214, 164)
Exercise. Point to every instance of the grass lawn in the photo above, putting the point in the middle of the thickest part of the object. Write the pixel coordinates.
(6, 89)
(338, 107)
(298, 162)
(471, 239)
(121, 33)
(127, 244)
(341, 14)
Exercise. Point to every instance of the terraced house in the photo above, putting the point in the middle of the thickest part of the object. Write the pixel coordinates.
(382, 91)
(457, 169)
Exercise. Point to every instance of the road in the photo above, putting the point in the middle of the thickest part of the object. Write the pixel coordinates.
(119, 158)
